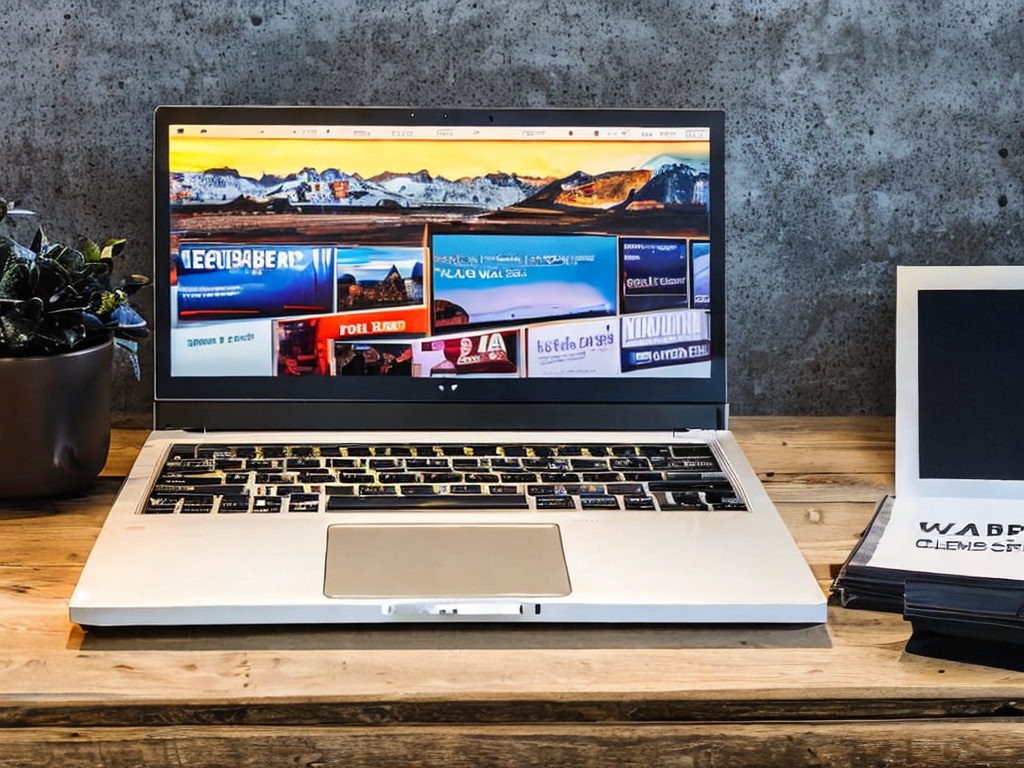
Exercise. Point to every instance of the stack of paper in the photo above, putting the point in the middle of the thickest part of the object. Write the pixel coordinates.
(953, 569)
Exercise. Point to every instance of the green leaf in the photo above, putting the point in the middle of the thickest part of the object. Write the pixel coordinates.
(113, 247)
(89, 249)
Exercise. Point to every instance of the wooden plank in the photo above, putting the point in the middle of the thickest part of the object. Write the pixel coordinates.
(811, 488)
(580, 709)
(993, 743)
(519, 666)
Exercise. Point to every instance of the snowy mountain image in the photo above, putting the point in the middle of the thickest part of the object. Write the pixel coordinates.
(334, 188)
(663, 182)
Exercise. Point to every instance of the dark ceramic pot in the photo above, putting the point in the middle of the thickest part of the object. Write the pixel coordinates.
(54, 421)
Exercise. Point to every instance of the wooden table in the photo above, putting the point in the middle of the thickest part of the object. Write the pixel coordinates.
(846, 694)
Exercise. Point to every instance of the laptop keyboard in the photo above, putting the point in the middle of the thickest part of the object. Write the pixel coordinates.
(203, 478)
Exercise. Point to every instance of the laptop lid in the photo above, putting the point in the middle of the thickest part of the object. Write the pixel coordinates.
(959, 368)
(345, 268)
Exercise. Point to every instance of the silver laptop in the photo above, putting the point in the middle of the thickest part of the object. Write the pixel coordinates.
(959, 423)
(441, 366)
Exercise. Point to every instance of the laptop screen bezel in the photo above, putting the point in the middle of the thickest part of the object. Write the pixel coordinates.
(224, 402)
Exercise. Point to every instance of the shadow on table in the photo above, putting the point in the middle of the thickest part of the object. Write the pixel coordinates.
(461, 637)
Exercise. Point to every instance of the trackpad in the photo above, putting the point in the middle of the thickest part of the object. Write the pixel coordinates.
(400, 560)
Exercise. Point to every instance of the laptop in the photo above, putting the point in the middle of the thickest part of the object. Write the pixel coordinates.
(436, 366)
(956, 510)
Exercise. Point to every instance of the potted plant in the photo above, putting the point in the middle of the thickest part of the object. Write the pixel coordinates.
(61, 314)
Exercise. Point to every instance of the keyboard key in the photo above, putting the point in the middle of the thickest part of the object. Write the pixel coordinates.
(540, 490)
(314, 475)
(698, 477)
(642, 477)
(559, 477)
(348, 503)
(193, 505)
(441, 478)
(357, 450)
(418, 490)
(268, 504)
(689, 500)
(338, 490)
(195, 465)
(182, 451)
(588, 464)
(503, 490)
(599, 502)
(305, 462)
(555, 502)
(695, 464)
(638, 502)
(304, 502)
(233, 504)
(480, 477)
(600, 477)
(511, 468)
(377, 490)
(214, 451)
(629, 462)
(355, 478)
(178, 470)
(161, 505)
(733, 503)
(434, 463)
(227, 465)
(397, 478)
(345, 463)
(654, 450)
(623, 489)
(696, 484)
(265, 465)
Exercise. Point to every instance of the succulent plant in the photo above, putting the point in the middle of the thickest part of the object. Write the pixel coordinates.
(55, 298)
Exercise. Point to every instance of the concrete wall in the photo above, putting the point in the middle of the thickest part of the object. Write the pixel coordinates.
(860, 135)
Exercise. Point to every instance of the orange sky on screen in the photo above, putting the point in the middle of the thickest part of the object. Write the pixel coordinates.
(451, 159)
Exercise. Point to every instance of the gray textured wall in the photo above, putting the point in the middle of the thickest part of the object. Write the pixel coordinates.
(859, 136)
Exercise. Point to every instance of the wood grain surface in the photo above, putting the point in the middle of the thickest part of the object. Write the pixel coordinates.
(843, 694)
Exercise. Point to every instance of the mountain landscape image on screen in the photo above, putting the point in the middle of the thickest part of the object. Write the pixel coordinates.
(670, 184)
(392, 205)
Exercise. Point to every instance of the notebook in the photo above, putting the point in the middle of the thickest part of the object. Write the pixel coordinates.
(959, 425)
(441, 366)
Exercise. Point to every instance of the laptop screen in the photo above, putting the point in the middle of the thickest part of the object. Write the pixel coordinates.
(369, 255)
